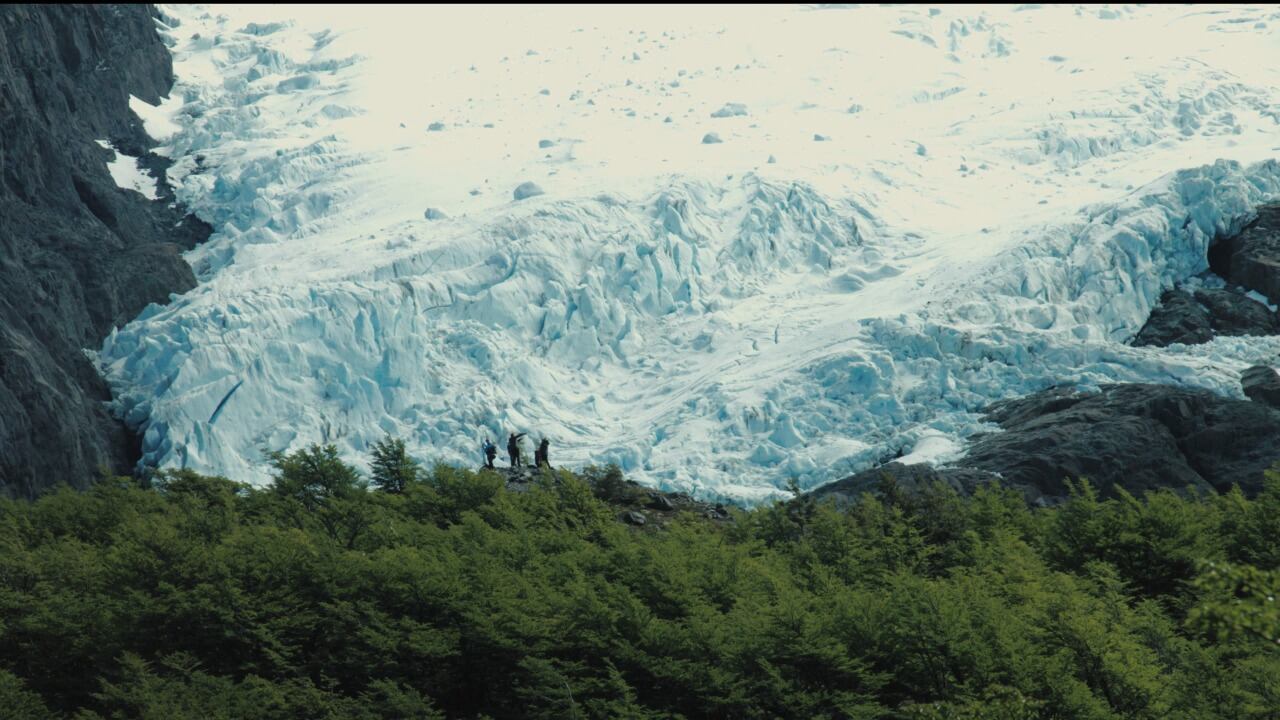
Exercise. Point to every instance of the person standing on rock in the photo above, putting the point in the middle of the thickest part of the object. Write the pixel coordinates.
(513, 449)
(490, 452)
(540, 455)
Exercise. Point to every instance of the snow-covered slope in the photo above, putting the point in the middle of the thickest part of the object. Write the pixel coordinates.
(911, 212)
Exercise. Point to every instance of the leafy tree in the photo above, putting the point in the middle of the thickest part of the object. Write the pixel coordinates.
(317, 486)
(609, 484)
(462, 597)
(313, 476)
(18, 702)
(1238, 600)
(393, 469)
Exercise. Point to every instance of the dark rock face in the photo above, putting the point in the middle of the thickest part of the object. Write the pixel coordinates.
(1139, 437)
(1183, 317)
(1045, 443)
(1177, 319)
(1262, 384)
(1234, 313)
(1136, 437)
(910, 478)
(78, 255)
(1252, 258)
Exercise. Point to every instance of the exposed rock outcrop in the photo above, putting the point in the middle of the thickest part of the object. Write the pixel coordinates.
(1139, 437)
(1262, 384)
(909, 478)
(1177, 319)
(1252, 257)
(78, 255)
(1192, 318)
(1133, 436)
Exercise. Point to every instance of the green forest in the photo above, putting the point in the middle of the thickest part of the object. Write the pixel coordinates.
(441, 593)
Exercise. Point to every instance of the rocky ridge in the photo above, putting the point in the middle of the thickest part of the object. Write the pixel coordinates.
(78, 254)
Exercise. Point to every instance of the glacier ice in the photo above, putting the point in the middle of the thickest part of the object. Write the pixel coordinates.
(730, 110)
(527, 190)
(708, 321)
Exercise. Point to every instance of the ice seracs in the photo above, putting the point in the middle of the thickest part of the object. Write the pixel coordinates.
(527, 190)
(730, 110)
(709, 320)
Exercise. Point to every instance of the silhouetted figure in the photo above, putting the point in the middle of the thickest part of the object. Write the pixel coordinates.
(540, 455)
(513, 449)
(490, 452)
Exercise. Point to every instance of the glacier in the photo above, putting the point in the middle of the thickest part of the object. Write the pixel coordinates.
(1014, 193)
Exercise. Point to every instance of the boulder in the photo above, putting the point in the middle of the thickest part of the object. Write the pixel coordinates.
(1133, 436)
(1177, 319)
(1233, 313)
(634, 517)
(658, 501)
(1193, 318)
(1252, 257)
(1262, 384)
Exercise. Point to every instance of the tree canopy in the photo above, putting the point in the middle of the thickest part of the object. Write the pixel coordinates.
(447, 594)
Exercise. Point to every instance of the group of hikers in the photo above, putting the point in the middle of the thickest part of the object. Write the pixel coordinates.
(513, 452)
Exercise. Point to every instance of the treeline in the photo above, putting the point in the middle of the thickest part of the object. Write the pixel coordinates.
(442, 593)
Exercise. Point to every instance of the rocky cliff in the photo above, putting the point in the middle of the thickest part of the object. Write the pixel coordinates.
(1135, 437)
(78, 255)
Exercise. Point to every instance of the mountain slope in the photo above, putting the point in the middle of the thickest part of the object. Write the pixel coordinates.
(78, 255)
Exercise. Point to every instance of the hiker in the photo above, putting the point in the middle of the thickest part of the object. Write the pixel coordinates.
(513, 449)
(540, 455)
(490, 452)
